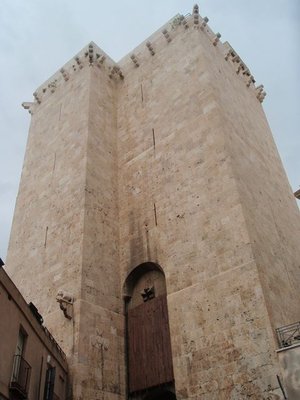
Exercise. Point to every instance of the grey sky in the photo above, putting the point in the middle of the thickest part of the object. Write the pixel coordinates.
(38, 36)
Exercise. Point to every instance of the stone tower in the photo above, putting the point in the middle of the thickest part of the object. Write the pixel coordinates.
(154, 200)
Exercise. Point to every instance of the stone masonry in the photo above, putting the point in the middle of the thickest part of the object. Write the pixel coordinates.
(165, 156)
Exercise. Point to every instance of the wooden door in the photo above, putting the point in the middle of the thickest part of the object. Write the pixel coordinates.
(149, 345)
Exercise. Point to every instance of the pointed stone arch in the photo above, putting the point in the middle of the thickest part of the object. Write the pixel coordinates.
(136, 273)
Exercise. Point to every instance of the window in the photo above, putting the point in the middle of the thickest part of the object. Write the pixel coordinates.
(21, 369)
(49, 383)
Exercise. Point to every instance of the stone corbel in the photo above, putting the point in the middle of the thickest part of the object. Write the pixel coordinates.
(116, 70)
(250, 81)
(134, 60)
(91, 54)
(100, 60)
(150, 48)
(166, 35)
(260, 93)
(183, 21)
(64, 74)
(37, 97)
(217, 39)
(65, 301)
(196, 14)
(204, 23)
(79, 62)
(30, 106)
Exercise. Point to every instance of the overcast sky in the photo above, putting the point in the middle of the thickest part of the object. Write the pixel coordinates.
(38, 36)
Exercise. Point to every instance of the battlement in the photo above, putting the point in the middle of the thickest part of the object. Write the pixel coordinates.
(243, 71)
(90, 56)
(94, 56)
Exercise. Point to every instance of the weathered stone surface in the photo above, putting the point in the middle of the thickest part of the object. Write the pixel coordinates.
(170, 161)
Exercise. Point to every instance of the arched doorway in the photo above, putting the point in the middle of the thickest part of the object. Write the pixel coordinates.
(149, 356)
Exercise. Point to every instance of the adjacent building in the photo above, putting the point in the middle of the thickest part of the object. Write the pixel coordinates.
(32, 365)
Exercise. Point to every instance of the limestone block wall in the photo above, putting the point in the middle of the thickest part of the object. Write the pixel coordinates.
(65, 229)
(270, 210)
(45, 249)
(100, 368)
(165, 157)
(180, 207)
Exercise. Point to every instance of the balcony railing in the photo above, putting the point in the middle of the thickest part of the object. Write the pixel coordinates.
(54, 342)
(288, 335)
(20, 377)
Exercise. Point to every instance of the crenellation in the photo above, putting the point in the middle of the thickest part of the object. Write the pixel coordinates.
(64, 74)
(236, 58)
(116, 70)
(227, 55)
(150, 48)
(260, 93)
(239, 68)
(52, 86)
(251, 81)
(134, 60)
(167, 35)
(27, 105)
(262, 96)
(204, 27)
(183, 21)
(172, 26)
(204, 23)
(176, 21)
(246, 70)
(91, 54)
(79, 62)
(100, 60)
(243, 71)
(196, 14)
(217, 39)
(37, 97)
